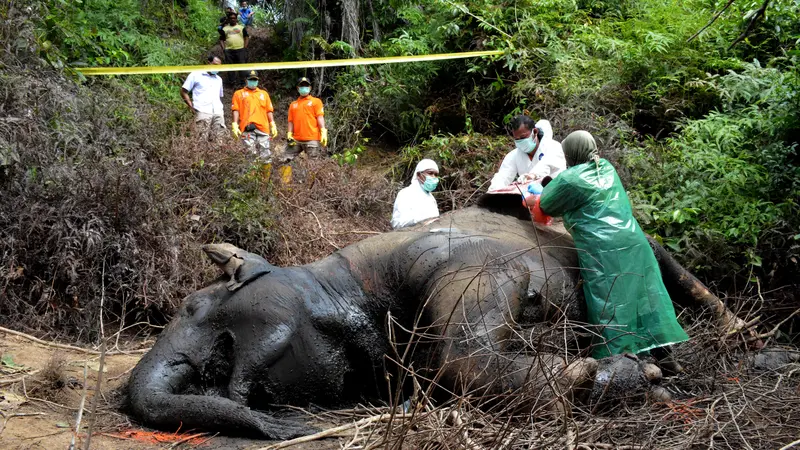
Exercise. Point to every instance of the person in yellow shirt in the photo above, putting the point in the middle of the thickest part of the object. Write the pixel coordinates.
(306, 124)
(233, 39)
(252, 118)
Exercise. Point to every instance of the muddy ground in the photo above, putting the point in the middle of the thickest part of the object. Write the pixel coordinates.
(36, 413)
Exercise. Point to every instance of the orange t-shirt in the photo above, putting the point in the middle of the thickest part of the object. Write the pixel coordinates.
(303, 113)
(253, 106)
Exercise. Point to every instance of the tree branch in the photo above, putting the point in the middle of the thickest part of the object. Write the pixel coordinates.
(713, 19)
(753, 20)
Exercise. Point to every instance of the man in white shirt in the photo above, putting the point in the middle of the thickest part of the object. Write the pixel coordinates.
(206, 101)
(414, 203)
(536, 155)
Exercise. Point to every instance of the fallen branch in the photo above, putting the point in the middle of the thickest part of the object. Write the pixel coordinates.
(682, 285)
(327, 433)
(790, 445)
(186, 439)
(774, 330)
(66, 346)
(18, 379)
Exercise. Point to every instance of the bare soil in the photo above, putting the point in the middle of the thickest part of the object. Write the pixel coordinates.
(35, 414)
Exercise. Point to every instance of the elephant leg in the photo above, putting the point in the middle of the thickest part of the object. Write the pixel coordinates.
(477, 329)
(254, 359)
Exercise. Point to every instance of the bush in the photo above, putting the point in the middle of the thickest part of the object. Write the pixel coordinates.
(466, 165)
(106, 199)
(730, 180)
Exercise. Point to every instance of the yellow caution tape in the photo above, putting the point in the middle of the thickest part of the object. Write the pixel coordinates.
(282, 65)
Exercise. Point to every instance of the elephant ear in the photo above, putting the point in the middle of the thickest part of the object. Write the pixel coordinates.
(241, 266)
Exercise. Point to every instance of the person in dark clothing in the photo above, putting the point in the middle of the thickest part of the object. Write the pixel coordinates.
(233, 39)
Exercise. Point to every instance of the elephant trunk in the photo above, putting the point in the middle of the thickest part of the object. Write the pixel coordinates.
(155, 398)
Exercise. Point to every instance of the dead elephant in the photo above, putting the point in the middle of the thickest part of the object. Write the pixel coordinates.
(324, 332)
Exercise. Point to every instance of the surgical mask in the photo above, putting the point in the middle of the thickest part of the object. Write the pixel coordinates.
(525, 145)
(213, 72)
(304, 90)
(252, 84)
(430, 183)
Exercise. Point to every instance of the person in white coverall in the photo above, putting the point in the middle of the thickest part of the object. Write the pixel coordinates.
(536, 155)
(414, 203)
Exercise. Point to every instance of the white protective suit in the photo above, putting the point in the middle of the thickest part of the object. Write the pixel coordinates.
(413, 204)
(548, 160)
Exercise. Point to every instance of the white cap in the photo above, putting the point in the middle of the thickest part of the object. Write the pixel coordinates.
(426, 164)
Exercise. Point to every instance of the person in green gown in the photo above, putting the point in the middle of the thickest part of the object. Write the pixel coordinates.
(624, 292)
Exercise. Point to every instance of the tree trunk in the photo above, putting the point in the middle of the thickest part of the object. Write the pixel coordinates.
(293, 10)
(376, 30)
(351, 32)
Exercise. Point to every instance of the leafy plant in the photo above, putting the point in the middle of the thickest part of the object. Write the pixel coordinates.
(732, 176)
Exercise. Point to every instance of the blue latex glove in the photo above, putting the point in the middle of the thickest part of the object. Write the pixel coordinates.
(535, 188)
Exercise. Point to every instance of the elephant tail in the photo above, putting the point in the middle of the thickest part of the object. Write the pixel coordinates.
(685, 288)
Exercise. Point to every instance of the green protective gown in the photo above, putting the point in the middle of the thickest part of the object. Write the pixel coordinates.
(622, 281)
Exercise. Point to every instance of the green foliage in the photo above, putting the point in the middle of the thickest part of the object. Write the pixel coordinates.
(350, 155)
(466, 163)
(246, 204)
(732, 177)
(125, 32)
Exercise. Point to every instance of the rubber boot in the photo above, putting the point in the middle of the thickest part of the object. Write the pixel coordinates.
(285, 174)
(266, 172)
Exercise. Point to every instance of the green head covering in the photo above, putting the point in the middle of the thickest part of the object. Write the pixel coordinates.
(579, 147)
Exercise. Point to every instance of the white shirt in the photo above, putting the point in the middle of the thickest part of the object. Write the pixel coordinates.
(413, 205)
(548, 160)
(206, 92)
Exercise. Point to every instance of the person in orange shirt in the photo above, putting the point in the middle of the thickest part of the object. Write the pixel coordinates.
(252, 118)
(306, 124)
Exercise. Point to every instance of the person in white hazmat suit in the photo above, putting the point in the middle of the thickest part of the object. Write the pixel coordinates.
(536, 155)
(414, 203)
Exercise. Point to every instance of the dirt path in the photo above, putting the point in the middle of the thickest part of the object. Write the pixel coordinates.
(36, 413)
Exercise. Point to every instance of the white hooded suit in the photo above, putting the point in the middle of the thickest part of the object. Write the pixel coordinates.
(548, 160)
(413, 204)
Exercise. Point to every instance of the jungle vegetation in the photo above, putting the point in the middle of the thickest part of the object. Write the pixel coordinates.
(696, 102)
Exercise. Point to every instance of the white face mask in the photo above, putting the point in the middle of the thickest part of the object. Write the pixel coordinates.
(526, 145)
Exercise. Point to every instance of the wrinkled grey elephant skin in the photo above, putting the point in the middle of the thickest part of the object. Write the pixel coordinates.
(321, 333)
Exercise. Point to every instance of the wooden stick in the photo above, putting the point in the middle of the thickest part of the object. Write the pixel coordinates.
(80, 408)
(16, 380)
(326, 433)
(97, 391)
(790, 445)
(65, 346)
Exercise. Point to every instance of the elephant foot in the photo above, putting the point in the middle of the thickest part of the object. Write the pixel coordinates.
(623, 378)
(666, 361)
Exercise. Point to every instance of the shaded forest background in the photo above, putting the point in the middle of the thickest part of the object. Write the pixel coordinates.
(106, 198)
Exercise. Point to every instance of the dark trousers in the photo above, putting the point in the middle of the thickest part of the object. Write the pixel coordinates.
(236, 79)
